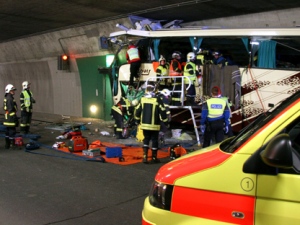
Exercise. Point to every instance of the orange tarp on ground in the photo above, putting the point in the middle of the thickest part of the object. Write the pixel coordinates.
(130, 154)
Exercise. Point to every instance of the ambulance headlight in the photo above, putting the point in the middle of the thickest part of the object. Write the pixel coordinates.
(160, 195)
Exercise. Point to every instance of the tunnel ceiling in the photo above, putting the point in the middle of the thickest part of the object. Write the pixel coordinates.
(19, 18)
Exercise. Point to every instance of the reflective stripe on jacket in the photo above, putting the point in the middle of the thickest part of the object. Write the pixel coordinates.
(10, 108)
(190, 71)
(150, 112)
(133, 55)
(25, 99)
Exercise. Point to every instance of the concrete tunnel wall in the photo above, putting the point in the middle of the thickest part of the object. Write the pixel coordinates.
(34, 58)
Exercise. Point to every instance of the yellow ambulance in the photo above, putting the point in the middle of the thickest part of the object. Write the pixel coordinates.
(251, 179)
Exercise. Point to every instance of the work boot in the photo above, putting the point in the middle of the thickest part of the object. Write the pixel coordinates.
(12, 143)
(154, 157)
(145, 155)
(27, 130)
(23, 130)
(7, 143)
(119, 135)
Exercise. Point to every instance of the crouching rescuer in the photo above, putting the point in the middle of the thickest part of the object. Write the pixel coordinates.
(10, 117)
(149, 113)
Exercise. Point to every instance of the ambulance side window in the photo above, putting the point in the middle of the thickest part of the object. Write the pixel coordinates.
(255, 163)
(293, 130)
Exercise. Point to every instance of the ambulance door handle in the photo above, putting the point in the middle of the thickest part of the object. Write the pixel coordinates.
(238, 215)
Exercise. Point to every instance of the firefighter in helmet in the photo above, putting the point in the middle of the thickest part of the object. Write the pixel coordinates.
(149, 113)
(163, 71)
(10, 117)
(176, 69)
(120, 111)
(26, 102)
(191, 73)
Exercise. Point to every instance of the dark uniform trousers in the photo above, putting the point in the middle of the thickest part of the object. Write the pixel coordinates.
(213, 129)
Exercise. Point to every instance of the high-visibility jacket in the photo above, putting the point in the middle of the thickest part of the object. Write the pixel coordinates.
(150, 112)
(10, 108)
(175, 68)
(161, 71)
(200, 59)
(123, 107)
(132, 54)
(190, 72)
(214, 109)
(26, 100)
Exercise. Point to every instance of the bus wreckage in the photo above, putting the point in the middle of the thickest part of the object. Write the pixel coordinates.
(262, 67)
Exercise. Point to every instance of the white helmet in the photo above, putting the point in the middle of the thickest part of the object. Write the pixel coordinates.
(161, 59)
(190, 56)
(176, 54)
(25, 84)
(9, 88)
(134, 102)
(165, 92)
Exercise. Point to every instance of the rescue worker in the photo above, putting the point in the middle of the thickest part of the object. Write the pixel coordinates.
(200, 58)
(162, 71)
(26, 102)
(134, 59)
(10, 117)
(122, 110)
(214, 115)
(219, 59)
(176, 69)
(165, 96)
(191, 72)
(149, 113)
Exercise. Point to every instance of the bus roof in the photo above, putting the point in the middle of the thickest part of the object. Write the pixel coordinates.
(198, 32)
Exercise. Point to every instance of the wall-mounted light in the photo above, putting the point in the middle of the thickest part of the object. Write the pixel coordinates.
(63, 62)
(93, 109)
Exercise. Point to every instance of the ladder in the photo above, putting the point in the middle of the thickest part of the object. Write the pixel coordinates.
(184, 108)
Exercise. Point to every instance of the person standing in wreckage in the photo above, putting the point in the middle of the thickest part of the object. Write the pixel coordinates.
(134, 59)
(149, 113)
(163, 71)
(176, 69)
(191, 72)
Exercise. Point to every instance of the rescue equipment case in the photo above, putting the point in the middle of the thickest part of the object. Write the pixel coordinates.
(113, 152)
(77, 144)
(19, 141)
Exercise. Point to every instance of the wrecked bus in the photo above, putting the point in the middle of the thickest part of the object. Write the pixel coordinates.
(263, 66)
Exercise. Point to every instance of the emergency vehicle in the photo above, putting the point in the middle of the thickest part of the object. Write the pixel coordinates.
(250, 179)
(263, 66)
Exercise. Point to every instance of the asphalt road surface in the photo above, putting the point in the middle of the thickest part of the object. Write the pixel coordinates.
(50, 188)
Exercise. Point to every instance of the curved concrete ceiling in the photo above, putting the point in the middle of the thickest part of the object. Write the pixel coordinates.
(20, 18)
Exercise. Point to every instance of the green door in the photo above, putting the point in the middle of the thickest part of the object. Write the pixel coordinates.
(96, 90)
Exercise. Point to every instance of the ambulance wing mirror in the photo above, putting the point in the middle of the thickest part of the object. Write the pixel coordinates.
(279, 152)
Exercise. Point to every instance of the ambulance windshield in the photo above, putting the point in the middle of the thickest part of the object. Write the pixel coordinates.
(231, 145)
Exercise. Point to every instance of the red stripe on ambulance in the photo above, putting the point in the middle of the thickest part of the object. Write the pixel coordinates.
(219, 206)
(180, 168)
